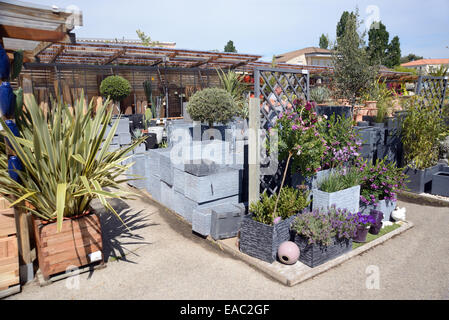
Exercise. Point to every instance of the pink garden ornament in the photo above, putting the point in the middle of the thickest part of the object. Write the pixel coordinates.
(288, 252)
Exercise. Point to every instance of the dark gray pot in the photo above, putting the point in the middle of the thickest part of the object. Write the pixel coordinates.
(344, 111)
(316, 254)
(262, 241)
(440, 182)
(311, 182)
(420, 180)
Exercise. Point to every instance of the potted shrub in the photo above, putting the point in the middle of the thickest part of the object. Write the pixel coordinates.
(66, 164)
(261, 232)
(364, 223)
(116, 88)
(323, 235)
(341, 189)
(421, 134)
(379, 184)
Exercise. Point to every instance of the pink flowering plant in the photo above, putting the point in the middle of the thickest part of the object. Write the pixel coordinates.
(299, 138)
(342, 142)
(380, 181)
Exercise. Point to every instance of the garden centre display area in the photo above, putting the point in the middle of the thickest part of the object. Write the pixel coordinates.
(286, 184)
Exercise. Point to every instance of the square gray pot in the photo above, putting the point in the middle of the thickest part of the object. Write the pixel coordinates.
(344, 199)
(386, 207)
(420, 180)
(165, 168)
(179, 180)
(201, 221)
(311, 182)
(261, 240)
(225, 220)
(154, 187)
(167, 195)
(316, 254)
(440, 183)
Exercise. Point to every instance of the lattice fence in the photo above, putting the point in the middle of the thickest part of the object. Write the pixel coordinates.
(432, 88)
(277, 88)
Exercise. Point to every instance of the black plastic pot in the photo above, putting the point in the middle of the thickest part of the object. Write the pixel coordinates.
(344, 111)
(151, 141)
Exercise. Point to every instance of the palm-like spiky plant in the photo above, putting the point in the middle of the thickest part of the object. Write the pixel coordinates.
(232, 83)
(66, 160)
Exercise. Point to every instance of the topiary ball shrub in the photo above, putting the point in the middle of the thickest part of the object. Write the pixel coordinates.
(212, 105)
(115, 87)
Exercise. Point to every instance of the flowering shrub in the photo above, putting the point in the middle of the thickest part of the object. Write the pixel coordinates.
(342, 142)
(319, 227)
(300, 139)
(380, 181)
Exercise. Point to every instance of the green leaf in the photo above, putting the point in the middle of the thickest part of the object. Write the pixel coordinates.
(60, 204)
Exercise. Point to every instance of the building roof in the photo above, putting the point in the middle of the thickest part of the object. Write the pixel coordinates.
(163, 44)
(284, 57)
(423, 62)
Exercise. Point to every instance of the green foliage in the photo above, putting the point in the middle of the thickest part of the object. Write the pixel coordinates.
(291, 202)
(320, 94)
(441, 71)
(66, 160)
(319, 227)
(146, 40)
(341, 26)
(405, 69)
(352, 70)
(377, 43)
(115, 87)
(229, 47)
(410, 57)
(148, 117)
(212, 105)
(17, 64)
(378, 91)
(233, 83)
(340, 180)
(324, 41)
(370, 237)
(421, 132)
(393, 54)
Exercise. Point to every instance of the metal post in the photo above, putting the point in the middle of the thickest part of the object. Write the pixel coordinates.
(254, 149)
(418, 85)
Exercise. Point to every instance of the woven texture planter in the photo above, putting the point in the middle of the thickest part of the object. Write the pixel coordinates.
(315, 254)
(386, 207)
(343, 199)
(262, 241)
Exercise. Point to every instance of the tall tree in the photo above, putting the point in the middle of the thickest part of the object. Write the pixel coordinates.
(324, 41)
(378, 37)
(352, 70)
(341, 26)
(229, 47)
(393, 56)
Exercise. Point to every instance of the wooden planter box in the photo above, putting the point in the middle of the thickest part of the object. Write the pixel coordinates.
(315, 254)
(9, 253)
(71, 246)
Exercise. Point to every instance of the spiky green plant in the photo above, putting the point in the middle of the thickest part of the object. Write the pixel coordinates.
(66, 160)
(233, 83)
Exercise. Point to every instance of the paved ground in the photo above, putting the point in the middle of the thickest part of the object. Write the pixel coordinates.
(164, 260)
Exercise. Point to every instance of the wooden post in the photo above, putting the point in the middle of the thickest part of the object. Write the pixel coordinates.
(254, 150)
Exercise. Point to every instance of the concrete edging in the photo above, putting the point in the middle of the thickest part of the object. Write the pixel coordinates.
(422, 199)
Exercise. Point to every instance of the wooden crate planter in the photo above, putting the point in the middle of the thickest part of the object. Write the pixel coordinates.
(9, 253)
(71, 246)
(316, 254)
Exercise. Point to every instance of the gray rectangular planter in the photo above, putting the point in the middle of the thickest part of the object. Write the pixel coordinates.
(154, 187)
(179, 180)
(386, 207)
(201, 221)
(124, 138)
(344, 199)
(140, 148)
(316, 254)
(440, 183)
(262, 241)
(222, 184)
(154, 160)
(366, 134)
(123, 126)
(311, 182)
(165, 168)
(167, 196)
(225, 220)
(139, 168)
(185, 206)
(420, 180)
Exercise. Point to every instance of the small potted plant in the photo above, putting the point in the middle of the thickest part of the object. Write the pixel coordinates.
(323, 235)
(379, 184)
(364, 222)
(341, 188)
(262, 232)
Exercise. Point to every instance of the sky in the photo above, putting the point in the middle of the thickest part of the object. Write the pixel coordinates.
(264, 27)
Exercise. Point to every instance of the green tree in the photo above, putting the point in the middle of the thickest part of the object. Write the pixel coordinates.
(378, 37)
(352, 70)
(410, 57)
(324, 41)
(229, 47)
(341, 26)
(393, 55)
(146, 40)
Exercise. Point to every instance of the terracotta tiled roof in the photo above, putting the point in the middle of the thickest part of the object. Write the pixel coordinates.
(423, 62)
(284, 57)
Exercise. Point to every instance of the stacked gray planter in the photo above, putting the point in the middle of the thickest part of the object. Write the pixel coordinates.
(420, 180)
(386, 207)
(262, 241)
(344, 199)
(440, 182)
(225, 220)
(311, 182)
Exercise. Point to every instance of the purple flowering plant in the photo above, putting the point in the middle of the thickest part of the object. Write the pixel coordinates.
(343, 143)
(365, 221)
(321, 226)
(380, 181)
